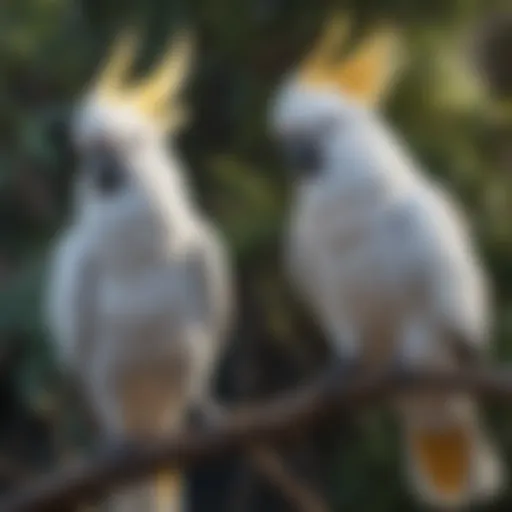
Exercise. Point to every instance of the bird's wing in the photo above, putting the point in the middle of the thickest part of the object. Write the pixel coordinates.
(70, 300)
(462, 293)
(210, 271)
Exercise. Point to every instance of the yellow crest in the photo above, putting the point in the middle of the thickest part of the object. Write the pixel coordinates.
(365, 74)
(154, 96)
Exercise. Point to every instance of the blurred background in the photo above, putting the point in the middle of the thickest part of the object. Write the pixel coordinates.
(460, 132)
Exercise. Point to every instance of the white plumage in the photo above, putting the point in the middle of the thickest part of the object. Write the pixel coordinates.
(139, 298)
(384, 258)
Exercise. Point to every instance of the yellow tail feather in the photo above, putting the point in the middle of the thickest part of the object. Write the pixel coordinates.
(163, 492)
(443, 458)
(169, 491)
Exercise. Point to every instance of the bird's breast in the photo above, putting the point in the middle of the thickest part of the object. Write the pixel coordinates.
(368, 269)
(145, 305)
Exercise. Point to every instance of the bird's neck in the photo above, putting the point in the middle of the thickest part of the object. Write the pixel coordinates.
(368, 157)
(366, 172)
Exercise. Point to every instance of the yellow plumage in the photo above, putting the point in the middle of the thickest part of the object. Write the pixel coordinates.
(153, 96)
(170, 487)
(365, 74)
(443, 457)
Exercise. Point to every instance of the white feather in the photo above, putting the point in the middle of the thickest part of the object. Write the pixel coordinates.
(382, 254)
(160, 284)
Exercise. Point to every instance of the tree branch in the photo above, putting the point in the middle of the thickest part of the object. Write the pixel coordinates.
(267, 463)
(293, 490)
(299, 408)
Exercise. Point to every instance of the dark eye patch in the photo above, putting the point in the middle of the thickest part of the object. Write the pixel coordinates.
(303, 155)
(109, 172)
(103, 167)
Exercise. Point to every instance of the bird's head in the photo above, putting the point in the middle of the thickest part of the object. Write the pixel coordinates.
(119, 131)
(329, 93)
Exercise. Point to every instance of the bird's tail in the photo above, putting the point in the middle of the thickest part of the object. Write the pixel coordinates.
(165, 492)
(451, 460)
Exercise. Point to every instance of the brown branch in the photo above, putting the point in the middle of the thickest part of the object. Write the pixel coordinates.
(300, 408)
(294, 491)
(267, 463)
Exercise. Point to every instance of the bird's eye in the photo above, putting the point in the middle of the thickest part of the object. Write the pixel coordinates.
(302, 154)
(109, 174)
(104, 169)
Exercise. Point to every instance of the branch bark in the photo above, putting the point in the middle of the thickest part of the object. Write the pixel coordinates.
(299, 408)
(296, 492)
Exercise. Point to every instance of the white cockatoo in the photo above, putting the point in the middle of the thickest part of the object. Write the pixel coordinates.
(383, 258)
(139, 295)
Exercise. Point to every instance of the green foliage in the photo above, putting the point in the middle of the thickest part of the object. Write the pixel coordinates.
(48, 51)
